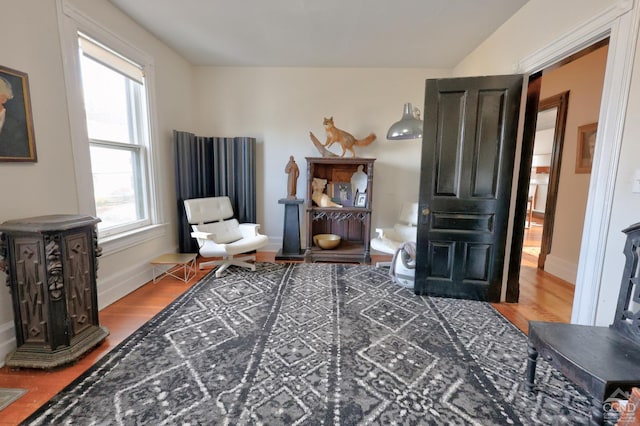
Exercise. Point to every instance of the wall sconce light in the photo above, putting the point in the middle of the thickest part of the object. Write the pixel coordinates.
(409, 127)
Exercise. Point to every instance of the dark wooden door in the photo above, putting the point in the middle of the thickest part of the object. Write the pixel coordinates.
(468, 149)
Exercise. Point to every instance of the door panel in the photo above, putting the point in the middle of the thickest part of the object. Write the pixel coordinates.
(465, 185)
(477, 262)
(448, 161)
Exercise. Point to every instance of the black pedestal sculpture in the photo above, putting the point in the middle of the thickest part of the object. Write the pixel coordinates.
(291, 232)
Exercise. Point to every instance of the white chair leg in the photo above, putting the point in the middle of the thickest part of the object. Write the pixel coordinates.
(383, 264)
(241, 261)
(242, 264)
(222, 268)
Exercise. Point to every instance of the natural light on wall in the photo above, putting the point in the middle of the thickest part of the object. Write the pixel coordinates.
(117, 127)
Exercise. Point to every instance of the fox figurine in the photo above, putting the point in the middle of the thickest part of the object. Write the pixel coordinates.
(346, 140)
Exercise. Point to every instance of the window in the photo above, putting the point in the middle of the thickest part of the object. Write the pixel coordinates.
(113, 89)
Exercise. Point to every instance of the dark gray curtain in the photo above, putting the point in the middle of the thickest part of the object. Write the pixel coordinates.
(210, 167)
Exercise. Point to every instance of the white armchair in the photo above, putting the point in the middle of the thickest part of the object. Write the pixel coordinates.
(405, 230)
(220, 235)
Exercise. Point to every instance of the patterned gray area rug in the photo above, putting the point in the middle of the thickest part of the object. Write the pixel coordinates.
(317, 344)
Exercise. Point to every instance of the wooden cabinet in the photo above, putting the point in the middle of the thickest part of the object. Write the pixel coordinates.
(51, 266)
(351, 222)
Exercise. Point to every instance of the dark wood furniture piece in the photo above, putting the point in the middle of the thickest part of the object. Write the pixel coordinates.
(51, 267)
(604, 361)
(353, 224)
(291, 248)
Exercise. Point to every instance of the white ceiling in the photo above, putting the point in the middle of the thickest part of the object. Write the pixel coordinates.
(322, 33)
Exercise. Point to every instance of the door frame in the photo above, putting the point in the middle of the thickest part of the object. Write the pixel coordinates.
(512, 291)
(620, 22)
(561, 102)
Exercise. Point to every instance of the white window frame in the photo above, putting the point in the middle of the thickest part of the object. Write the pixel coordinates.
(72, 22)
(140, 140)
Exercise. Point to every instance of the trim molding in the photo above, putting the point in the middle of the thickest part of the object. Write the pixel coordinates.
(7, 340)
(131, 239)
(118, 285)
(620, 23)
(70, 21)
(561, 268)
(583, 35)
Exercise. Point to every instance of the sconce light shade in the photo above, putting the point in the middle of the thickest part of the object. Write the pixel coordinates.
(409, 127)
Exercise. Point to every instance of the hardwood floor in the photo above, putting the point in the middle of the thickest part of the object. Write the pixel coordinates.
(542, 297)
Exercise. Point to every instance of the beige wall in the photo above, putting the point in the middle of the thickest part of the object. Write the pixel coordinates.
(524, 34)
(30, 42)
(45, 187)
(280, 106)
(583, 79)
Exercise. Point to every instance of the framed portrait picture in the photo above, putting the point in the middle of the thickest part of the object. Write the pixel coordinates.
(361, 199)
(17, 142)
(586, 144)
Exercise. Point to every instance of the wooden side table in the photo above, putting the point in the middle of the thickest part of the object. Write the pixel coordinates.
(51, 263)
(185, 261)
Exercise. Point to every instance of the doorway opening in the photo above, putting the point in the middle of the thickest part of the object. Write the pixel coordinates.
(570, 98)
(548, 146)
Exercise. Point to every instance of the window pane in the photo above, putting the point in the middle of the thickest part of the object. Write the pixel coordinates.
(116, 191)
(106, 102)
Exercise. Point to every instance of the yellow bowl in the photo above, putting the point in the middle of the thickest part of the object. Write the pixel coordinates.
(326, 241)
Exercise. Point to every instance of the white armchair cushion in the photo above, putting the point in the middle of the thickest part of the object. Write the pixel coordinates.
(387, 240)
(223, 232)
(409, 214)
(211, 209)
(249, 230)
(405, 232)
(390, 239)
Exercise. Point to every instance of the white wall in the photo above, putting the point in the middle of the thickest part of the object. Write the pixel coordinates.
(45, 187)
(29, 42)
(626, 205)
(280, 106)
(536, 25)
(522, 36)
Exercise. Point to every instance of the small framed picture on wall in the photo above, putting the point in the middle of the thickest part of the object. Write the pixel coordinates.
(17, 142)
(586, 145)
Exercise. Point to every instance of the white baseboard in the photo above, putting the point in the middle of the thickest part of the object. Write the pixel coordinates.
(7, 340)
(561, 268)
(118, 285)
(275, 244)
(109, 290)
